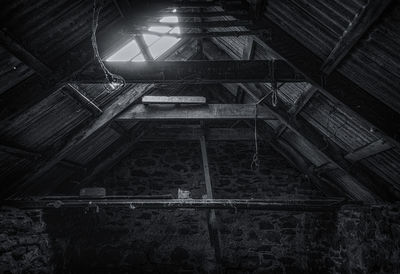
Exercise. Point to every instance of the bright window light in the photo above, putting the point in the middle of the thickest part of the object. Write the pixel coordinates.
(157, 44)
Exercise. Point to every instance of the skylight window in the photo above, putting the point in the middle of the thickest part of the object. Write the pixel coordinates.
(157, 45)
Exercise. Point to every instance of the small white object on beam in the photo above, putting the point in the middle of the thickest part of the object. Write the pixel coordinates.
(173, 100)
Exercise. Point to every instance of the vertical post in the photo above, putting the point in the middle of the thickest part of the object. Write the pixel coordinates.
(211, 217)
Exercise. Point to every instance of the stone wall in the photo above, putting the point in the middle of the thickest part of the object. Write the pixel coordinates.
(24, 245)
(124, 240)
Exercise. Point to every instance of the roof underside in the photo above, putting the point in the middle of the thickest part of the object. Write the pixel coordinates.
(326, 131)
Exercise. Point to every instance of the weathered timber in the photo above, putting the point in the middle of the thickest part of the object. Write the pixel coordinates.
(243, 204)
(194, 72)
(200, 35)
(196, 112)
(368, 150)
(173, 99)
(74, 92)
(192, 134)
(365, 107)
(370, 13)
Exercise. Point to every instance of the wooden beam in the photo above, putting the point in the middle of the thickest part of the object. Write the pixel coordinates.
(20, 152)
(173, 99)
(24, 55)
(143, 47)
(74, 92)
(194, 72)
(203, 25)
(128, 96)
(193, 134)
(206, 169)
(196, 112)
(242, 204)
(367, 109)
(347, 183)
(369, 150)
(200, 35)
(248, 50)
(367, 16)
(303, 100)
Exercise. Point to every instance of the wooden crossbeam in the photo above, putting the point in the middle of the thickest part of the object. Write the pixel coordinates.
(173, 99)
(369, 150)
(305, 97)
(369, 14)
(74, 92)
(203, 25)
(200, 35)
(194, 72)
(242, 204)
(196, 112)
(193, 134)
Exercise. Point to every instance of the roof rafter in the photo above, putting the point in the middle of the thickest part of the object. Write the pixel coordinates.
(369, 14)
(367, 108)
(349, 184)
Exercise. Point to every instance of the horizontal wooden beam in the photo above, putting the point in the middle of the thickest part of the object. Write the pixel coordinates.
(200, 35)
(194, 72)
(193, 134)
(202, 25)
(196, 112)
(173, 99)
(245, 204)
(368, 150)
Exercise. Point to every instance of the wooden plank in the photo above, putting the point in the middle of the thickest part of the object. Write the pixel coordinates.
(196, 112)
(193, 72)
(242, 204)
(193, 134)
(203, 25)
(74, 92)
(173, 99)
(143, 47)
(206, 169)
(305, 97)
(363, 20)
(199, 35)
(248, 50)
(369, 150)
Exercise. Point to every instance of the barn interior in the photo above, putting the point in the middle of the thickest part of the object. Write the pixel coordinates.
(200, 136)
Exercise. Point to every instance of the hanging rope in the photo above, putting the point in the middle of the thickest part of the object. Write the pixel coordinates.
(115, 81)
(255, 162)
(274, 84)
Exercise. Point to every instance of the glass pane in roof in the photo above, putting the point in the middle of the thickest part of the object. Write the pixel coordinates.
(169, 19)
(139, 58)
(160, 29)
(176, 30)
(162, 45)
(126, 53)
(150, 39)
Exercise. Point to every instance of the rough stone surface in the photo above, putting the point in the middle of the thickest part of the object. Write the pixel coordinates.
(24, 244)
(124, 240)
